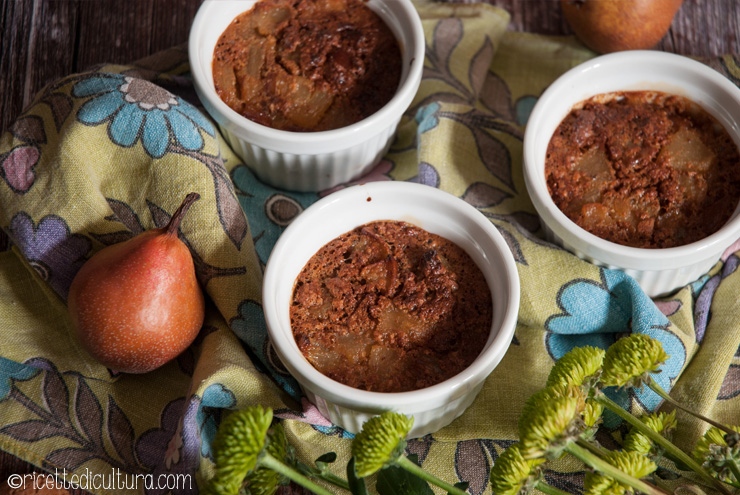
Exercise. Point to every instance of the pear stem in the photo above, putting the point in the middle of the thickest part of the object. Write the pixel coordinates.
(174, 224)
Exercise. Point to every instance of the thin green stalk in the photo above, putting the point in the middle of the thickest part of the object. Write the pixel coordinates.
(661, 484)
(323, 474)
(549, 489)
(268, 461)
(596, 449)
(664, 395)
(334, 480)
(736, 473)
(656, 437)
(607, 469)
(406, 463)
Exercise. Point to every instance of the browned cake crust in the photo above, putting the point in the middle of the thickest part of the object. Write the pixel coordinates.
(644, 169)
(307, 65)
(390, 307)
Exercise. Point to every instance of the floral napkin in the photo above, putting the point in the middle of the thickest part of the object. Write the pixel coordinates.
(103, 155)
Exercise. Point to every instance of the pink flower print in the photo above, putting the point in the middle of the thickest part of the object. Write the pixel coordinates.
(16, 167)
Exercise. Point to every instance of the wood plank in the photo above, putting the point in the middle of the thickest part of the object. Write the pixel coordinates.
(705, 28)
(15, 29)
(537, 16)
(119, 32)
(47, 39)
(20, 62)
(171, 20)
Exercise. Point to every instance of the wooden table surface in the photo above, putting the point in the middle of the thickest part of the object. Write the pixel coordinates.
(43, 40)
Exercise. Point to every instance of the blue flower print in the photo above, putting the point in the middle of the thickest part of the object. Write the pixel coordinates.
(11, 371)
(215, 398)
(268, 210)
(250, 328)
(598, 313)
(523, 109)
(50, 248)
(136, 109)
(426, 117)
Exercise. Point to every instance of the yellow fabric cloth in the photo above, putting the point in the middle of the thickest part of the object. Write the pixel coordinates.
(104, 155)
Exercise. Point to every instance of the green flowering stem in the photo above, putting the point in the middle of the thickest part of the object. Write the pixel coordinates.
(631, 360)
(321, 471)
(410, 466)
(607, 469)
(512, 474)
(592, 447)
(381, 444)
(247, 451)
(549, 489)
(735, 472)
(664, 395)
(333, 479)
(719, 454)
(268, 461)
(630, 462)
(656, 437)
(551, 424)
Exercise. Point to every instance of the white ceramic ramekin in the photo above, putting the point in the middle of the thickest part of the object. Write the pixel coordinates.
(435, 211)
(307, 161)
(658, 271)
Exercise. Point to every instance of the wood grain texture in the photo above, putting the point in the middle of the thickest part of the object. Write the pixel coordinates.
(43, 40)
(705, 28)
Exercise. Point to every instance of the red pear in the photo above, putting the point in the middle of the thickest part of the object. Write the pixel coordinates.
(137, 304)
(608, 26)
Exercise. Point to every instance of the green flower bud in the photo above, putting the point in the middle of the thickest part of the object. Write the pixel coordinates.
(265, 481)
(632, 463)
(546, 394)
(716, 455)
(381, 441)
(661, 422)
(630, 360)
(592, 414)
(238, 444)
(581, 366)
(512, 474)
(550, 420)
